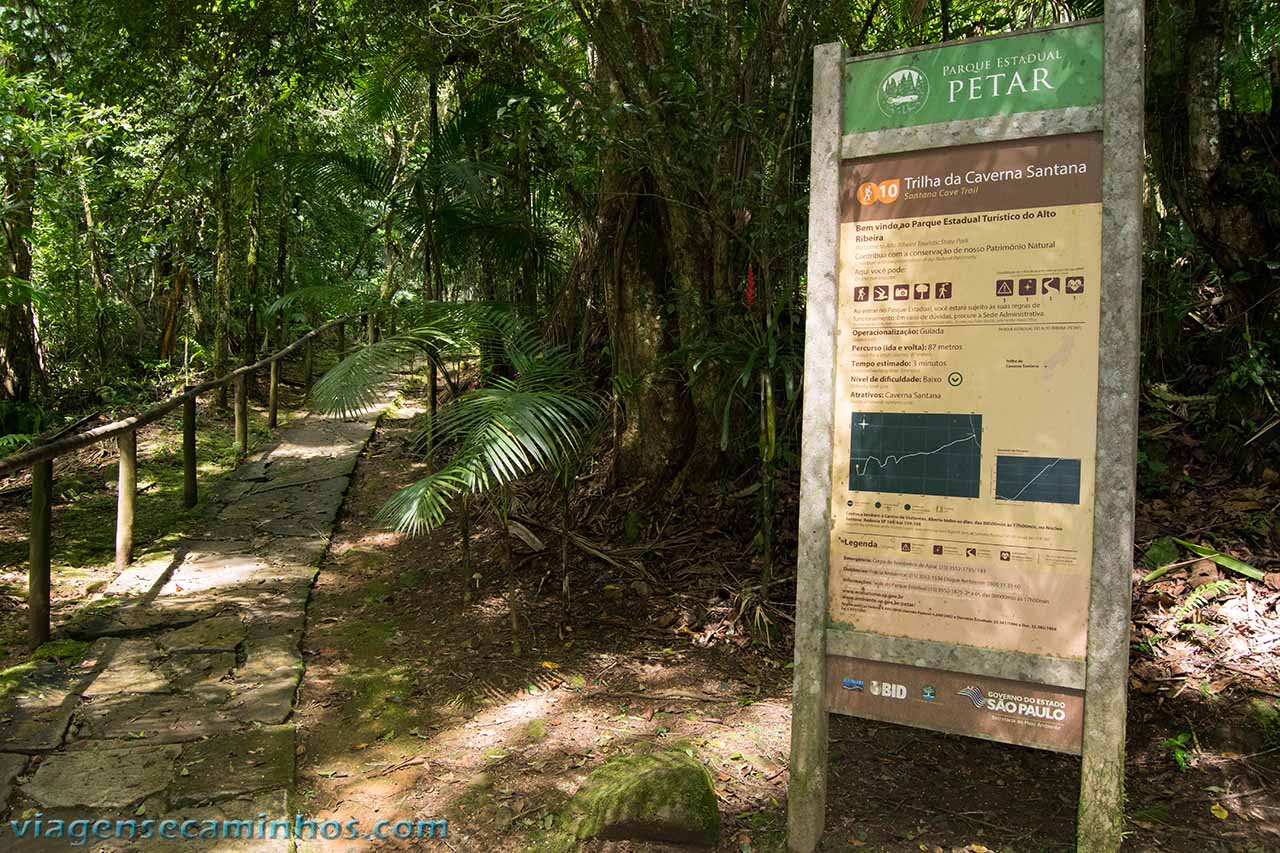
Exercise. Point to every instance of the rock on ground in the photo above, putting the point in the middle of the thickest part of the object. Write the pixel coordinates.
(665, 797)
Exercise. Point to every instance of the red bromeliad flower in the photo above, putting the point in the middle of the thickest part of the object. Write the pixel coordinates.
(750, 295)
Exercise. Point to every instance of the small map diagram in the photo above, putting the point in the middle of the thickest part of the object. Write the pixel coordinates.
(1039, 479)
(915, 454)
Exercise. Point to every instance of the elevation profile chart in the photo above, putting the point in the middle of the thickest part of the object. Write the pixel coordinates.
(915, 454)
(1040, 479)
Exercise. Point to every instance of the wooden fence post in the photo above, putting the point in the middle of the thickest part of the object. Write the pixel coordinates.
(273, 396)
(242, 412)
(38, 571)
(189, 494)
(126, 495)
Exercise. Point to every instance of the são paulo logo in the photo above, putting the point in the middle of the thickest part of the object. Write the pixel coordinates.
(903, 92)
(1013, 705)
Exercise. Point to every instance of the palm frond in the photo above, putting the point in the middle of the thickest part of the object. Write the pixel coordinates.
(506, 434)
(391, 89)
(354, 384)
(438, 329)
(334, 172)
(531, 420)
(421, 506)
(350, 298)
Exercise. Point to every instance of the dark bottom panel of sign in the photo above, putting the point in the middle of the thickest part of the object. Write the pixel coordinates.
(1016, 712)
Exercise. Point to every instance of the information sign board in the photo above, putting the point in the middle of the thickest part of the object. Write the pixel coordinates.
(970, 405)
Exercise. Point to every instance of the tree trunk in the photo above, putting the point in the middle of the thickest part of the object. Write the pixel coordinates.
(1219, 165)
(464, 530)
(567, 477)
(20, 364)
(222, 280)
(173, 310)
(387, 291)
(508, 556)
(252, 273)
(97, 268)
(195, 300)
(658, 430)
(97, 271)
(282, 263)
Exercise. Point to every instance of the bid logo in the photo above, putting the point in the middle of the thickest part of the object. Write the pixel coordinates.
(885, 192)
(888, 690)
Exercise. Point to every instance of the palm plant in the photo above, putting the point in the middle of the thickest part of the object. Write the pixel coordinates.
(533, 416)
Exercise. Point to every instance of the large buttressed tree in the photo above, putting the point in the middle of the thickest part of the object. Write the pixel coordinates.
(1213, 115)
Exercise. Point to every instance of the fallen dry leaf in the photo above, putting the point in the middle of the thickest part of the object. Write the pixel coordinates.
(1202, 572)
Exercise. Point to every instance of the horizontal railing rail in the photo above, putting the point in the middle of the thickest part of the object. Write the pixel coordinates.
(61, 447)
(125, 431)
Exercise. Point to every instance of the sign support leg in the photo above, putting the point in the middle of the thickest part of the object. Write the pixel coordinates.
(807, 789)
(1101, 816)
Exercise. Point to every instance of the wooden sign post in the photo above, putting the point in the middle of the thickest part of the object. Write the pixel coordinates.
(971, 373)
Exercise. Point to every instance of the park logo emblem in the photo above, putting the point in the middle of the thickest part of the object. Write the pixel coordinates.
(903, 92)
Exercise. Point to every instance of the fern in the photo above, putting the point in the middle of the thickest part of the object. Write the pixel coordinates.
(15, 441)
(1201, 596)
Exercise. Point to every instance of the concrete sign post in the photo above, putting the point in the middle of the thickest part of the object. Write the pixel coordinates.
(971, 400)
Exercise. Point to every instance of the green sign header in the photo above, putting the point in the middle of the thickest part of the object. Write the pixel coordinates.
(1047, 70)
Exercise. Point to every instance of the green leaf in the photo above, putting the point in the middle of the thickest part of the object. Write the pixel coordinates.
(1224, 560)
(1162, 552)
(1160, 557)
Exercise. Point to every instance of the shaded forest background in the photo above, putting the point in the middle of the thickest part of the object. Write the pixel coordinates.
(187, 186)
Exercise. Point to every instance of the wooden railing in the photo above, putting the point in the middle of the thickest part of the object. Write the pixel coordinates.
(125, 431)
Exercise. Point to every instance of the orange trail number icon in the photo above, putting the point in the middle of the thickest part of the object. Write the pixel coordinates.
(869, 192)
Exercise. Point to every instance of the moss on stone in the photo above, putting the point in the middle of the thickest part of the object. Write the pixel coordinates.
(665, 796)
(11, 679)
(95, 609)
(1264, 717)
(68, 651)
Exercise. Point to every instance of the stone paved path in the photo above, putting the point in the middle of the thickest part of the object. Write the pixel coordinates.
(182, 707)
